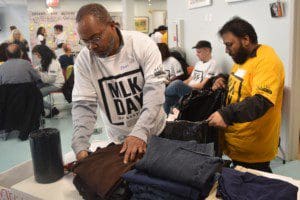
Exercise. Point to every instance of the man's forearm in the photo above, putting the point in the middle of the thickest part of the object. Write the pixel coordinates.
(84, 118)
(247, 110)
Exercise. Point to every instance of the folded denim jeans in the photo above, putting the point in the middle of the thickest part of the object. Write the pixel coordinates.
(139, 177)
(188, 162)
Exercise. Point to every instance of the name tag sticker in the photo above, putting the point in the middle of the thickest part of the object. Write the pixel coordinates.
(240, 73)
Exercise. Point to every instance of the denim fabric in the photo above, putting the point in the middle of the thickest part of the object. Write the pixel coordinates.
(174, 92)
(235, 185)
(150, 193)
(138, 177)
(180, 161)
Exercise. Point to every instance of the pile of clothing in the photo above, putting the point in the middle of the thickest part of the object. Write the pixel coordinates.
(234, 184)
(173, 169)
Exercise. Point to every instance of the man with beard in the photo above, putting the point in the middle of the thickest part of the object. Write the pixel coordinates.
(252, 116)
(118, 71)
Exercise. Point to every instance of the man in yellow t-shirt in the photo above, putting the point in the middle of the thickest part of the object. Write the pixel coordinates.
(252, 116)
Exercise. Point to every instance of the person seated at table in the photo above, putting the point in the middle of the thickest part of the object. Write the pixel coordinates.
(51, 73)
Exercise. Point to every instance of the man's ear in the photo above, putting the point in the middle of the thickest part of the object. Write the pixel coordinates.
(246, 41)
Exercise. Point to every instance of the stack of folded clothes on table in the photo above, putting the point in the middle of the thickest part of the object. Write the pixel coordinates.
(173, 169)
(234, 184)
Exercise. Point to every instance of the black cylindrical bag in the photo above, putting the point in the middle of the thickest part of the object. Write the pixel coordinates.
(46, 155)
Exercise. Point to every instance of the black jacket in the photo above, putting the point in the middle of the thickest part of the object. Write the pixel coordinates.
(21, 106)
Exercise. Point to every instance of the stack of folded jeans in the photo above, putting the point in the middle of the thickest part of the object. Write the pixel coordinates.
(239, 185)
(144, 186)
(185, 163)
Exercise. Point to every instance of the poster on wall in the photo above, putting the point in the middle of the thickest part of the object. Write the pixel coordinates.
(198, 3)
(65, 18)
(141, 24)
(229, 1)
(48, 20)
(276, 9)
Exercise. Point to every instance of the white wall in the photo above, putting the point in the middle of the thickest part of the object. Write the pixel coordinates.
(111, 5)
(142, 9)
(17, 14)
(13, 15)
(203, 24)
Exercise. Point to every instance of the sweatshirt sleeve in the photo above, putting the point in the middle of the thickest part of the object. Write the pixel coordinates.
(250, 109)
(84, 105)
(84, 119)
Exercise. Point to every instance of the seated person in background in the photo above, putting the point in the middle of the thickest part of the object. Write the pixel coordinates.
(16, 70)
(203, 71)
(17, 38)
(66, 59)
(252, 116)
(60, 38)
(3, 56)
(50, 72)
(171, 66)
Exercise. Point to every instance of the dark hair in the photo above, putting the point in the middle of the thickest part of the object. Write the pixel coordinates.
(202, 44)
(40, 31)
(3, 47)
(12, 28)
(13, 52)
(240, 28)
(182, 62)
(46, 55)
(96, 10)
(164, 50)
(59, 27)
(154, 31)
(162, 28)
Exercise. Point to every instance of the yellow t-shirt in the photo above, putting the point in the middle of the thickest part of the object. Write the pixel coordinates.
(256, 141)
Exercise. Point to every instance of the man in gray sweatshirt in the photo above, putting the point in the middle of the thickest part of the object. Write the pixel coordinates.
(121, 72)
(16, 70)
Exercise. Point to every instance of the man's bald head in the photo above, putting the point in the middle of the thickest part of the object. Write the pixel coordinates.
(13, 51)
(96, 10)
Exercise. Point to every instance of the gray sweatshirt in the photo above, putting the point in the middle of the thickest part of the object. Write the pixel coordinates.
(16, 71)
(128, 87)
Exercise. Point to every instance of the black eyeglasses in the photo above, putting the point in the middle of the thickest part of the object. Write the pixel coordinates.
(96, 40)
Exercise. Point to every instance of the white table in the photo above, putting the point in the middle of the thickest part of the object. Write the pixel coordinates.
(62, 189)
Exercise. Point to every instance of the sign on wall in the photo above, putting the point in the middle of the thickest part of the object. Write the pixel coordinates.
(65, 18)
(198, 3)
(48, 20)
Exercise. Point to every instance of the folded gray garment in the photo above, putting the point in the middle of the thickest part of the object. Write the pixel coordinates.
(188, 162)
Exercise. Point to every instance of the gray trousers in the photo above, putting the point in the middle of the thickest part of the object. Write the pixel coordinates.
(46, 90)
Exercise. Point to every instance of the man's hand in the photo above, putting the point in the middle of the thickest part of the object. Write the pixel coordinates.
(219, 83)
(133, 147)
(81, 155)
(216, 119)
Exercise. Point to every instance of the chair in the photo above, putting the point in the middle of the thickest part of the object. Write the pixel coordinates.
(69, 71)
(24, 115)
(51, 100)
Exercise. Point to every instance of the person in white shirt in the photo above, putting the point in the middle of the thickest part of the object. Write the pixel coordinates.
(60, 38)
(41, 35)
(203, 71)
(121, 71)
(171, 65)
(50, 71)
